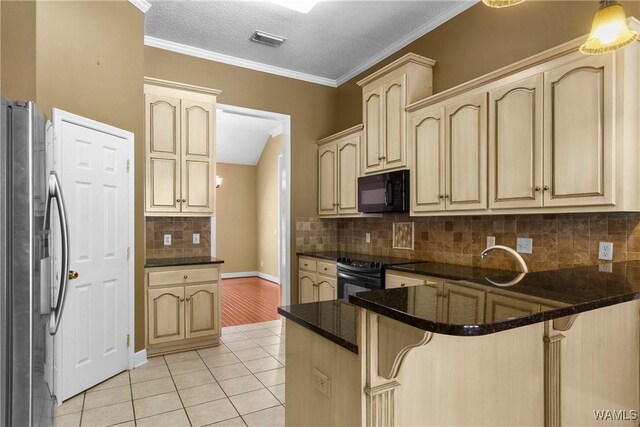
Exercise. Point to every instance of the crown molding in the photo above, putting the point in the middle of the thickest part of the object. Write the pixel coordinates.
(143, 5)
(238, 62)
(413, 36)
(276, 131)
(408, 58)
(347, 132)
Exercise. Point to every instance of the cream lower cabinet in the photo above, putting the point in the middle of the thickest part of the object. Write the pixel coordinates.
(338, 171)
(317, 280)
(180, 149)
(183, 308)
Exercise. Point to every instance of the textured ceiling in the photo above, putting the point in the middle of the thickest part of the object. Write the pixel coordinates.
(240, 139)
(331, 41)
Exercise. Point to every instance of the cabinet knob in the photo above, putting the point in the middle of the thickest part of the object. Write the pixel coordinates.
(178, 200)
(181, 299)
(184, 200)
(379, 158)
(383, 158)
(186, 277)
(325, 269)
(402, 285)
(545, 188)
(188, 298)
(441, 196)
(537, 188)
(446, 196)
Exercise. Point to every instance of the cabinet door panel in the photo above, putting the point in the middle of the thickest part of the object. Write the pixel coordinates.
(463, 305)
(166, 314)
(201, 317)
(373, 119)
(198, 159)
(467, 153)
(348, 153)
(579, 122)
(425, 301)
(327, 180)
(501, 307)
(515, 144)
(307, 287)
(428, 148)
(327, 289)
(394, 125)
(162, 136)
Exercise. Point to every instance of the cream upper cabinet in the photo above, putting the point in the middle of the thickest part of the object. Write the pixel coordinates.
(385, 95)
(466, 153)
(180, 149)
(579, 130)
(338, 171)
(427, 146)
(515, 144)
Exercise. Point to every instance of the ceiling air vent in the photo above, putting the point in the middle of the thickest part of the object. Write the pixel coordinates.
(266, 38)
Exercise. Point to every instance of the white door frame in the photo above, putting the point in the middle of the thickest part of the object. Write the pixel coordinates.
(59, 117)
(284, 194)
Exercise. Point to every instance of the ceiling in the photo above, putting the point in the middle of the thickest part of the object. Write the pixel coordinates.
(240, 139)
(335, 41)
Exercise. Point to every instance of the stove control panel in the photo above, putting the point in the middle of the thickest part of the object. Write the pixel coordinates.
(360, 264)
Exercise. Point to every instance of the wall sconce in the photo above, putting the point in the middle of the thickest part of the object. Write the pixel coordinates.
(218, 181)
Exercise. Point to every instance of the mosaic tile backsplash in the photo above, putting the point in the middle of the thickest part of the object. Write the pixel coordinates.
(181, 230)
(559, 241)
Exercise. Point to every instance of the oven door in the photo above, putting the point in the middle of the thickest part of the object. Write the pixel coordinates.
(351, 283)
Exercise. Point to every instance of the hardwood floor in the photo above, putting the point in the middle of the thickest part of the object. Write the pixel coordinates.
(249, 300)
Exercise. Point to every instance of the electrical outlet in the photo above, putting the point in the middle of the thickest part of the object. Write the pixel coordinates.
(196, 238)
(524, 245)
(606, 267)
(367, 237)
(605, 251)
(491, 241)
(167, 239)
(322, 383)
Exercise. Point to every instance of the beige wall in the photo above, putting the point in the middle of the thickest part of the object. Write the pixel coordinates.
(267, 213)
(18, 50)
(483, 39)
(236, 228)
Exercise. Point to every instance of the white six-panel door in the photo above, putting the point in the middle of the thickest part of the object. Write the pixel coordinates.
(93, 338)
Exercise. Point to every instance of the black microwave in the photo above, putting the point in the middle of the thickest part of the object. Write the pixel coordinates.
(384, 192)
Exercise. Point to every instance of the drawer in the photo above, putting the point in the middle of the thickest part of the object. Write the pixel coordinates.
(176, 277)
(395, 281)
(327, 269)
(307, 264)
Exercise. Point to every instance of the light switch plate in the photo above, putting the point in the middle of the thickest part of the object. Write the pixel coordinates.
(322, 383)
(167, 239)
(491, 241)
(367, 237)
(605, 251)
(196, 238)
(524, 245)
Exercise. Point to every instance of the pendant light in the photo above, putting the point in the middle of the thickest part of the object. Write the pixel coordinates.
(609, 30)
(501, 3)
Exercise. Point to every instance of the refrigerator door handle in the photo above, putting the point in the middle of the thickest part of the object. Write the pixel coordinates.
(55, 192)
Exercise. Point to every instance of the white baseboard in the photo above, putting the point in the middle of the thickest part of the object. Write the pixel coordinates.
(140, 358)
(251, 274)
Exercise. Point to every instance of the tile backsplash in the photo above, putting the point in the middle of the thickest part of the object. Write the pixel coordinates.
(181, 230)
(562, 240)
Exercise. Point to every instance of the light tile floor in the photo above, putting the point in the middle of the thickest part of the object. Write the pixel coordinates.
(239, 383)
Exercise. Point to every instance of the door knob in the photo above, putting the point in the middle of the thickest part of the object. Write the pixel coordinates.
(73, 275)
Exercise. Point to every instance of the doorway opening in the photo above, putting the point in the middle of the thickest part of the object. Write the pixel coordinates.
(251, 229)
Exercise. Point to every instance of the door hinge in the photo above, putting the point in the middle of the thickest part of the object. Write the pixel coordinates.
(128, 340)
(128, 165)
(128, 252)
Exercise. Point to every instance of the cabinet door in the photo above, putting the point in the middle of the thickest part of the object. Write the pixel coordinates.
(462, 305)
(348, 160)
(198, 157)
(307, 287)
(327, 288)
(327, 185)
(427, 133)
(501, 307)
(162, 139)
(515, 144)
(426, 300)
(373, 128)
(579, 125)
(394, 152)
(202, 310)
(467, 154)
(166, 314)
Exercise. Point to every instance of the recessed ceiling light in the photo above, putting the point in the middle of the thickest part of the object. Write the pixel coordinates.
(302, 6)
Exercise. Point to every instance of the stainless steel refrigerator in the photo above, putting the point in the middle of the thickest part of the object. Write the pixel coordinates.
(30, 302)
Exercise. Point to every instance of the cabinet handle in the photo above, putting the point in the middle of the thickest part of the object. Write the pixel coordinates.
(446, 196)
(184, 200)
(383, 158)
(379, 158)
(325, 269)
(181, 299)
(186, 277)
(402, 285)
(178, 200)
(441, 196)
(537, 188)
(188, 298)
(545, 188)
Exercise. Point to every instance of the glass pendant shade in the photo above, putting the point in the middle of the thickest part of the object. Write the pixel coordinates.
(609, 30)
(501, 3)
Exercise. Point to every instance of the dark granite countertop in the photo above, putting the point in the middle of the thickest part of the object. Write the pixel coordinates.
(548, 294)
(335, 320)
(171, 262)
(334, 255)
